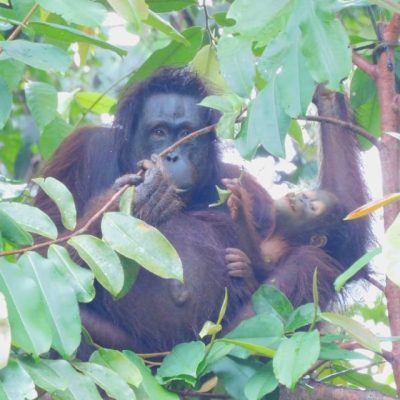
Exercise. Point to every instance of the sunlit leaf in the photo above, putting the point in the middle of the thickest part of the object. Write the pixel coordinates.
(391, 252)
(102, 260)
(63, 198)
(30, 218)
(372, 206)
(325, 46)
(60, 303)
(95, 102)
(5, 333)
(261, 383)
(80, 279)
(15, 383)
(52, 136)
(26, 312)
(341, 280)
(163, 6)
(68, 34)
(79, 386)
(107, 379)
(295, 356)
(39, 55)
(6, 102)
(237, 63)
(42, 102)
(13, 232)
(137, 240)
(163, 26)
(43, 375)
(81, 12)
(150, 388)
(354, 328)
(119, 363)
(175, 53)
(182, 363)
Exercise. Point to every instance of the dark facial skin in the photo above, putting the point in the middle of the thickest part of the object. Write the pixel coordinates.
(167, 118)
(295, 212)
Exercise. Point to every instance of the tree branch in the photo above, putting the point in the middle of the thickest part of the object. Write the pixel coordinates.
(360, 131)
(365, 65)
(24, 22)
(320, 391)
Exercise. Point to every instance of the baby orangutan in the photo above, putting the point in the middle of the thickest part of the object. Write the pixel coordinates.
(308, 233)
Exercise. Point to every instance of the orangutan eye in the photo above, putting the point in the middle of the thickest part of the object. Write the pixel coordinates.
(158, 133)
(185, 132)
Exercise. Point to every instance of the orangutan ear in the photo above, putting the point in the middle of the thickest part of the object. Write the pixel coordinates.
(319, 241)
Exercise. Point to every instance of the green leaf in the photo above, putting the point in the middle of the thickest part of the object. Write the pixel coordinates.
(81, 12)
(270, 300)
(237, 63)
(260, 19)
(43, 375)
(155, 21)
(362, 89)
(102, 260)
(150, 388)
(131, 273)
(341, 280)
(63, 198)
(183, 363)
(330, 351)
(95, 102)
(301, 316)
(355, 329)
(137, 240)
(234, 374)
(59, 301)
(37, 55)
(107, 379)
(391, 253)
(15, 383)
(6, 102)
(52, 136)
(11, 71)
(79, 386)
(325, 46)
(252, 348)
(13, 232)
(42, 102)
(70, 35)
(263, 330)
(205, 63)
(267, 123)
(231, 106)
(119, 363)
(162, 6)
(368, 116)
(27, 316)
(261, 383)
(294, 83)
(80, 279)
(295, 356)
(5, 333)
(175, 53)
(126, 200)
(30, 218)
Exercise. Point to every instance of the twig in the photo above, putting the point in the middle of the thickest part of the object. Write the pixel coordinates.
(207, 23)
(81, 230)
(365, 65)
(376, 283)
(153, 355)
(193, 393)
(24, 22)
(362, 132)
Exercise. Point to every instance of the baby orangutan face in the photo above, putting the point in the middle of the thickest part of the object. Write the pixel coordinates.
(299, 213)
